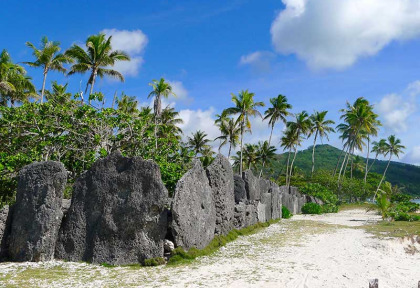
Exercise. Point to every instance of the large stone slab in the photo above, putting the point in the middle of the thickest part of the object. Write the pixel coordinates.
(220, 176)
(239, 188)
(117, 213)
(251, 214)
(252, 185)
(275, 202)
(239, 215)
(261, 210)
(5, 226)
(266, 200)
(193, 210)
(37, 213)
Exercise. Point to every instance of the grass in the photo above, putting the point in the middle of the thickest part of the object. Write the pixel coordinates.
(393, 228)
(354, 206)
(180, 256)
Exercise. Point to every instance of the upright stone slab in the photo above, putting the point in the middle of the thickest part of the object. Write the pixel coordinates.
(5, 221)
(221, 181)
(251, 213)
(266, 200)
(240, 190)
(275, 202)
(252, 185)
(193, 210)
(261, 212)
(117, 213)
(37, 212)
(239, 215)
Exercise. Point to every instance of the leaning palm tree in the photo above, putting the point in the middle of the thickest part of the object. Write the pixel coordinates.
(278, 111)
(265, 154)
(127, 104)
(291, 140)
(96, 59)
(198, 142)
(244, 108)
(321, 127)
(230, 134)
(48, 58)
(373, 126)
(377, 148)
(59, 94)
(391, 147)
(161, 89)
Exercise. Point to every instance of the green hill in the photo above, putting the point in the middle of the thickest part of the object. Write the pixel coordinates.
(401, 174)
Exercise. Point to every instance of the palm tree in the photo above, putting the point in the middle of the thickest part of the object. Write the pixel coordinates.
(378, 149)
(198, 142)
(96, 60)
(321, 127)
(265, 153)
(230, 134)
(392, 147)
(59, 94)
(300, 127)
(170, 118)
(161, 89)
(250, 155)
(373, 126)
(278, 111)
(290, 141)
(49, 58)
(127, 104)
(244, 107)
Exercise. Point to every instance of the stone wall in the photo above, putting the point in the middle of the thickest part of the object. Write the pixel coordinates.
(118, 212)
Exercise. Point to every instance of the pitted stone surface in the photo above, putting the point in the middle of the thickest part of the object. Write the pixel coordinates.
(240, 191)
(252, 185)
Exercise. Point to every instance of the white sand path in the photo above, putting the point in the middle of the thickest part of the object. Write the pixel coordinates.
(305, 251)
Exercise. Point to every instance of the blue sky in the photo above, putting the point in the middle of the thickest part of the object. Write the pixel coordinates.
(319, 53)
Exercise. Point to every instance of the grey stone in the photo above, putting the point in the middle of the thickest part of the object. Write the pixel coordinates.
(275, 202)
(220, 177)
(65, 205)
(239, 215)
(117, 213)
(261, 212)
(251, 214)
(37, 213)
(193, 210)
(168, 245)
(5, 226)
(252, 185)
(266, 200)
(240, 191)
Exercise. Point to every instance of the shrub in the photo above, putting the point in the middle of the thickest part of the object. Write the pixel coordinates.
(311, 208)
(154, 261)
(320, 192)
(329, 208)
(285, 213)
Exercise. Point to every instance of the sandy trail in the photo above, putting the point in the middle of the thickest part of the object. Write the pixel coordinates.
(305, 251)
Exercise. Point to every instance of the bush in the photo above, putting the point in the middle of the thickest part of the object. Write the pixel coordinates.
(311, 208)
(329, 208)
(154, 261)
(285, 213)
(320, 192)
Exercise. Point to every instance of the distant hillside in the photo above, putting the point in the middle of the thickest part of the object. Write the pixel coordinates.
(401, 174)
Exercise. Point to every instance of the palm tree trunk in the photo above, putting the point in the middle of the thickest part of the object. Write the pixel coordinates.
(367, 160)
(43, 87)
(313, 154)
(338, 161)
(230, 148)
(92, 84)
(242, 136)
(383, 176)
(373, 162)
(342, 164)
(269, 141)
(157, 114)
(287, 168)
(291, 165)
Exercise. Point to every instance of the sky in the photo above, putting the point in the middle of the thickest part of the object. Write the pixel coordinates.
(318, 53)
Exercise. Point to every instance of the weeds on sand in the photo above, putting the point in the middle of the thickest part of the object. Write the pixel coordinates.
(383, 229)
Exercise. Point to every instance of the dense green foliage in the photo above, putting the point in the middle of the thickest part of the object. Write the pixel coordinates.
(285, 213)
(311, 208)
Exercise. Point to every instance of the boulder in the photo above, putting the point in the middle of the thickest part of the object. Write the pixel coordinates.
(117, 213)
(251, 214)
(265, 185)
(193, 210)
(65, 205)
(239, 215)
(5, 221)
(275, 202)
(220, 177)
(37, 211)
(252, 185)
(266, 200)
(261, 212)
(240, 191)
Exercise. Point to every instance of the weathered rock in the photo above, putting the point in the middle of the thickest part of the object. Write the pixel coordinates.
(5, 226)
(275, 202)
(193, 210)
(261, 212)
(117, 213)
(240, 191)
(301, 202)
(220, 177)
(265, 185)
(239, 215)
(168, 245)
(65, 205)
(251, 214)
(252, 185)
(288, 200)
(266, 200)
(37, 212)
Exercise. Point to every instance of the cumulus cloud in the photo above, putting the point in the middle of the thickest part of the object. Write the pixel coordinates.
(396, 109)
(133, 42)
(260, 60)
(413, 156)
(334, 34)
(180, 91)
(199, 120)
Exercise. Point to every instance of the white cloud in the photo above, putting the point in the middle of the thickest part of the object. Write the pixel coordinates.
(334, 34)
(259, 60)
(199, 120)
(180, 91)
(413, 156)
(396, 109)
(133, 42)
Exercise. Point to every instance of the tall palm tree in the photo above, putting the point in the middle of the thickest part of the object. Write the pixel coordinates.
(230, 134)
(265, 153)
(320, 126)
(96, 59)
(161, 89)
(291, 140)
(244, 108)
(250, 156)
(127, 104)
(170, 118)
(198, 142)
(59, 94)
(392, 147)
(377, 148)
(49, 58)
(373, 124)
(301, 127)
(278, 111)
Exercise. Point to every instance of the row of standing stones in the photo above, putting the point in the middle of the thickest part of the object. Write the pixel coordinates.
(119, 212)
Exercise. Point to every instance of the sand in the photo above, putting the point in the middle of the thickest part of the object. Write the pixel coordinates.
(305, 251)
